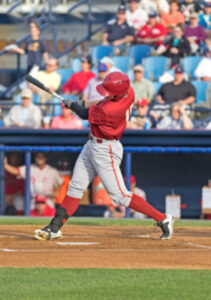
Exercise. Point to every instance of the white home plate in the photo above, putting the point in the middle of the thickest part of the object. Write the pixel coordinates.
(76, 244)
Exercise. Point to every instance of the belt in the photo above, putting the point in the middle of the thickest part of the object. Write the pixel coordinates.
(98, 140)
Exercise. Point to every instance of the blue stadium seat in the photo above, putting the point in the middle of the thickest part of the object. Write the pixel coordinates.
(155, 66)
(130, 74)
(189, 64)
(202, 88)
(157, 86)
(17, 99)
(76, 65)
(65, 75)
(138, 52)
(98, 52)
(1, 123)
(122, 62)
(57, 109)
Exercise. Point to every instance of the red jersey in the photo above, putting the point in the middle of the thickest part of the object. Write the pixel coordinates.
(152, 32)
(108, 118)
(78, 82)
(48, 212)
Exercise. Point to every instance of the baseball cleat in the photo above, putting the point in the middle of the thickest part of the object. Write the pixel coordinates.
(47, 234)
(167, 227)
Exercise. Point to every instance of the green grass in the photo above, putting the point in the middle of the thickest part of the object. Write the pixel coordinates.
(94, 284)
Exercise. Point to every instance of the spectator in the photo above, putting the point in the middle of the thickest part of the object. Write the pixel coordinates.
(160, 6)
(178, 90)
(177, 119)
(195, 34)
(176, 47)
(203, 70)
(49, 78)
(135, 15)
(25, 115)
(90, 92)
(78, 81)
(67, 120)
(44, 179)
(173, 18)
(143, 88)
(110, 64)
(35, 48)
(188, 7)
(142, 119)
(153, 33)
(41, 208)
(118, 33)
(205, 17)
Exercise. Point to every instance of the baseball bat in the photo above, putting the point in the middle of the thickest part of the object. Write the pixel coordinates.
(40, 85)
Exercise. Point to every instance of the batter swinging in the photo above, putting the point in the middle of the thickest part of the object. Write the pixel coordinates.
(102, 155)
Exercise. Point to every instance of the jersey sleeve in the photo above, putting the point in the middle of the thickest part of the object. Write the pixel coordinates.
(96, 115)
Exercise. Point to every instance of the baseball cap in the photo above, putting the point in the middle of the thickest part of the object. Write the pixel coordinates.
(194, 15)
(107, 60)
(102, 67)
(179, 69)
(152, 14)
(138, 68)
(122, 8)
(26, 93)
(132, 179)
(142, 102)
(40, 199)
(87, 58)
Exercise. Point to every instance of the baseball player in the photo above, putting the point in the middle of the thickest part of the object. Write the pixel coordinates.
(102, 155)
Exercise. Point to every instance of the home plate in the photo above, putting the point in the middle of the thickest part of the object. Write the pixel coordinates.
(76, 244)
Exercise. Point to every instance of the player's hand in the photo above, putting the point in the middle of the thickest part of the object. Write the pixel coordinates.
(68, 102)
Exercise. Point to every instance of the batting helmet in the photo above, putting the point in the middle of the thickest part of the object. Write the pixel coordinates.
(114, 84)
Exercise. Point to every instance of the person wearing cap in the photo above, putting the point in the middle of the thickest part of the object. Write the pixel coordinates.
(177, 119)
(41, 208)
(188, 7)
(135, 15)
(90, 92)
(205, 17)
(153, 33)
(195, 34)
(160, 6)
(110, 64)
(118, 33)
(141, 118)
(178, 90)
(173, 18)
(143, 88)
(79, 80)
(24, 115)
(67, 120)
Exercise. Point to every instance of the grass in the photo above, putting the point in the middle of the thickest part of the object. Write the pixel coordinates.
(94, 284)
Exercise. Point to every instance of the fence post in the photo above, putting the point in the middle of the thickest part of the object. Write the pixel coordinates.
(128, 161)
(2, 178)
(27, 184)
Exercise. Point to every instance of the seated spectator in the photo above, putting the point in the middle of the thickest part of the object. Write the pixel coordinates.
(44, 179)
(110, 64)
(177, 119)
(160, 6)
(90, 92)
(143, 88)
(178, 90)
(205, 17)
(67, 120)
(118, 33)
(188, 7)
(24, 115)
(141, 118)
(135, 15)
(79, 80)
(153, 33)
(195, 34)
(173, 18)
(203, 70)
(50, 78)
(176, 47)
(41, 208)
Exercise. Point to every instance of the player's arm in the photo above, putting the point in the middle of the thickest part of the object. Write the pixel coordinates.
(10, 169)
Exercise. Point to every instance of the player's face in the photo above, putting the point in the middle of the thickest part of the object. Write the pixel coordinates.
(133, 6)
(40, 159)
(40, 207)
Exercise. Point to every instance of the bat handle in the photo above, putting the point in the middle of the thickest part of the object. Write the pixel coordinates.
(57, 96)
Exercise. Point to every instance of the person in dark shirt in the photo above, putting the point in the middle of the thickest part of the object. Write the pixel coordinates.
(179, 90)
(118, 33)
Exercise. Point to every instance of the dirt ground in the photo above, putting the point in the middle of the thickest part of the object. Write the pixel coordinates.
(107, 247)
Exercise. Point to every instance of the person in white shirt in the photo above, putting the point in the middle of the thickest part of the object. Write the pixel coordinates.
(203, 70)
(135, 15)
(160, 6)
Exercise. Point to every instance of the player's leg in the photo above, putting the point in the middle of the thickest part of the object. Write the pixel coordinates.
(83, 174)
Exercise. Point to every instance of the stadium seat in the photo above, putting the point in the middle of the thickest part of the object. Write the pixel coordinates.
(138, 52)
(122, 62)
(98, 52)
(157, 86)
(1, 123)
(202, 89)
(130, 74)
(65, 75)
(189, 64)
(57, 109)
(76, 65)
(155, 66)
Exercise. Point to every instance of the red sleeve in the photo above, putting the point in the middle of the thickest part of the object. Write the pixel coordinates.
(66, 87)
(96, 115)
(163, 30)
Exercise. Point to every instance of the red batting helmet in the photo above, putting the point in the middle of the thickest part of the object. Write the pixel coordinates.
(114, 84)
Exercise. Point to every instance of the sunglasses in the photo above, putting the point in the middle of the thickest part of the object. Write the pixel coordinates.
(136, 71)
